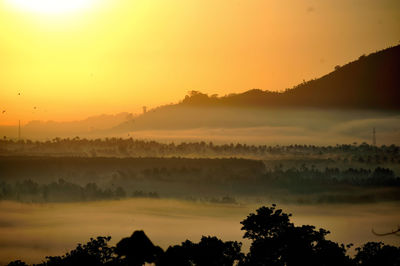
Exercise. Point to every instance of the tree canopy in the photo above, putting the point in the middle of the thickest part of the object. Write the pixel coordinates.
(276, 241)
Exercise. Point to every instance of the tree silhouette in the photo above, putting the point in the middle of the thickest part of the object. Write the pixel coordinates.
(137, 249)
(94, 253)
(210, 251)
(277, 241)
(377, 253)
(17, 263)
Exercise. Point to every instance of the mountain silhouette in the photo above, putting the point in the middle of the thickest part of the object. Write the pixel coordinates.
(371, 82)
(364, 90)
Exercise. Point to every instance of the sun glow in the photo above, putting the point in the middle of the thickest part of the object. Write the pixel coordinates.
(52, 6)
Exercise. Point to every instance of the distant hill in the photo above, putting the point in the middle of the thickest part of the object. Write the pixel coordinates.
(87, 127)
(371, 82)
(343, 105)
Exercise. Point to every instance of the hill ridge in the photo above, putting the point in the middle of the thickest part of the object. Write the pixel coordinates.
(370, 82)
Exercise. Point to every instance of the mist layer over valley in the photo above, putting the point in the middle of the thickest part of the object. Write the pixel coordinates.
(230, 180)
(199, 133)
(32, 231)
(56, 193)
(233, 125)
(340, 107)
(326, 150)
(264, 126)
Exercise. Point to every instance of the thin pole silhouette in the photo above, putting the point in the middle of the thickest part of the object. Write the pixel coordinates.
(373, 137)
(19, 129)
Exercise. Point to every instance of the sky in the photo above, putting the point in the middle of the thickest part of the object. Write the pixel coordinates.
(69, 59)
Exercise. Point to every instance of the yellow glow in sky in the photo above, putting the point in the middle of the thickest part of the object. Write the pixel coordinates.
(51, 6)
(76, 58)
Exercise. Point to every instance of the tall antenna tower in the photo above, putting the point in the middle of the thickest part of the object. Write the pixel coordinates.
(19, 129)
(373, 137)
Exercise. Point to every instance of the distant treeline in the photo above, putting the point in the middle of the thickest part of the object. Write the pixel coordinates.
(380, 177)
(33, 179)
(125, 169)
(187, 170)
(64, 191)
(118, 147)
(275, 241)
(331, 185)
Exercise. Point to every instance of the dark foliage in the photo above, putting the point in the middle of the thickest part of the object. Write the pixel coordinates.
(60, 191)
(377, 253)
(110, 147)
(17, 263)
(137, 249)
(227, 176)
(94, 253)
(275, 241)
(210, 251)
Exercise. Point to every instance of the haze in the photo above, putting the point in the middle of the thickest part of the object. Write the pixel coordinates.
(33, 231)
(116, 56)
(181, 118)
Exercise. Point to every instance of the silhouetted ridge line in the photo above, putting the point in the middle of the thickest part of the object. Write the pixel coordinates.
(371, 82)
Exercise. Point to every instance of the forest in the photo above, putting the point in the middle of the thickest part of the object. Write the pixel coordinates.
(168, 132)
(275, 240)
(69, 170)
(129, 147)
(189, 183)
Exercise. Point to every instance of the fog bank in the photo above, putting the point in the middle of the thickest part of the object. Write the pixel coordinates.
(32, 231)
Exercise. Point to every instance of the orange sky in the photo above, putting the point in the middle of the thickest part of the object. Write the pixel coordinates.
(109, 56)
